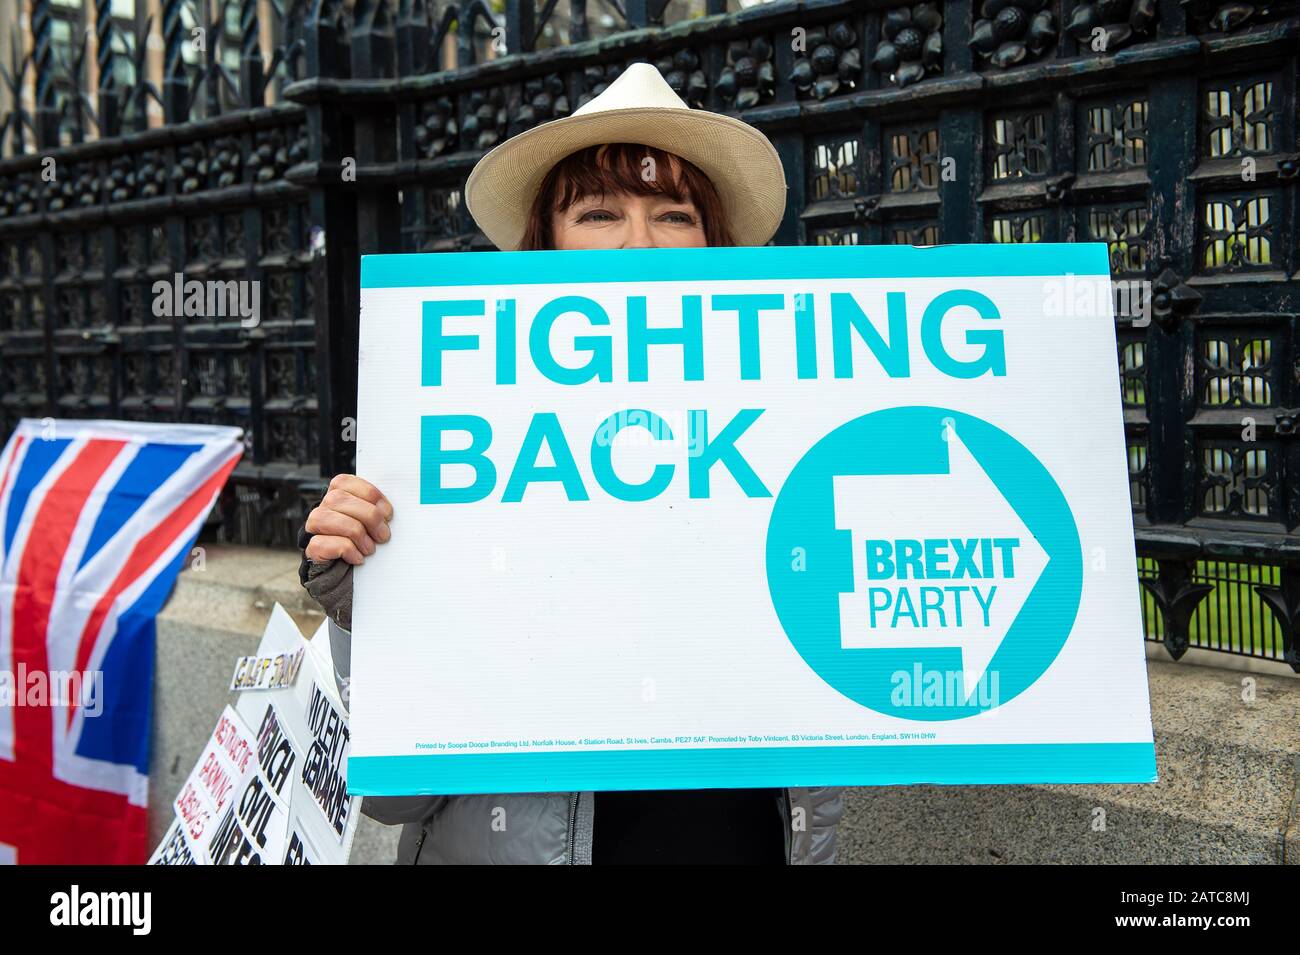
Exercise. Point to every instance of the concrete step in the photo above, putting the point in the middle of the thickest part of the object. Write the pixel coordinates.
(1228, 773)
(233, 589)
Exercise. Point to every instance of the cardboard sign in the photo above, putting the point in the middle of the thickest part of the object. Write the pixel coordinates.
(745, 517)
(324, 771)
(221, 774)
(253, 828)
(299, 850)
(176, 847)
(290, 724)
(270, 787)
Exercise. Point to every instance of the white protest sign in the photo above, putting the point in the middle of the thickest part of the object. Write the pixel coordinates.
(324, 772)
(300, 849)
(686, 518)
(323, 816)
(176, 848)
(252, 829)
(246, 801)
(229, 810)
(217, 779)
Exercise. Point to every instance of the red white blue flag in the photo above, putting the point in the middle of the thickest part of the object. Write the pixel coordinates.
(96, 520)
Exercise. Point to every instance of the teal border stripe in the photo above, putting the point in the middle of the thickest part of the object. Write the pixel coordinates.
(759, 262)
(743, 767)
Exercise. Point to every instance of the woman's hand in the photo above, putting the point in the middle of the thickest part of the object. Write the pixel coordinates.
(351, 520)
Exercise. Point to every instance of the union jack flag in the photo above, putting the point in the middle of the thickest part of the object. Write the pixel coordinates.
(96, 519)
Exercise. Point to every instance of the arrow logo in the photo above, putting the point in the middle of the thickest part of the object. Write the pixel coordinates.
(939, 561)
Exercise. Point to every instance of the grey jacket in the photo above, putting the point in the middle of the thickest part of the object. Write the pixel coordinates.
(522, 828)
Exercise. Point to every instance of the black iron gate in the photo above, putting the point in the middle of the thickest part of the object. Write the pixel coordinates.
(1167, 129)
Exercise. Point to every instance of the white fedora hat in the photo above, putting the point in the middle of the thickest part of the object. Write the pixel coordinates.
(637, 107)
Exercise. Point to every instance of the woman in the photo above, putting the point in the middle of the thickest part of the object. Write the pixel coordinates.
(633, 168)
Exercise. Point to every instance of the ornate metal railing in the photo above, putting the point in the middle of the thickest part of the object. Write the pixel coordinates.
(1167, 129)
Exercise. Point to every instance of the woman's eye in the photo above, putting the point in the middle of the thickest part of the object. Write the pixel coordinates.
(595, 215)
(684, 218)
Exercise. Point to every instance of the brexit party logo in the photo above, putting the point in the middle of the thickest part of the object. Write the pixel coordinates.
(924, 563)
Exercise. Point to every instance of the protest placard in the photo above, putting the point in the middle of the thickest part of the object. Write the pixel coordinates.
(219, 776)
(254, 825)
(320, 831)
(176, 848)
(271, 786)
(253, 829)
(324, 771)
(299, 850)
(685, 518)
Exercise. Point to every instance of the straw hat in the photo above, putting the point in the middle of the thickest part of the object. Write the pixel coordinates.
(637, 107)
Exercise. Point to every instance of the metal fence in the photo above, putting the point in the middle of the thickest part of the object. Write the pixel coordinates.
(1166, 129)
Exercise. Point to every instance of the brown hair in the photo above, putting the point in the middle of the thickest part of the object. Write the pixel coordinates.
(616, 167)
